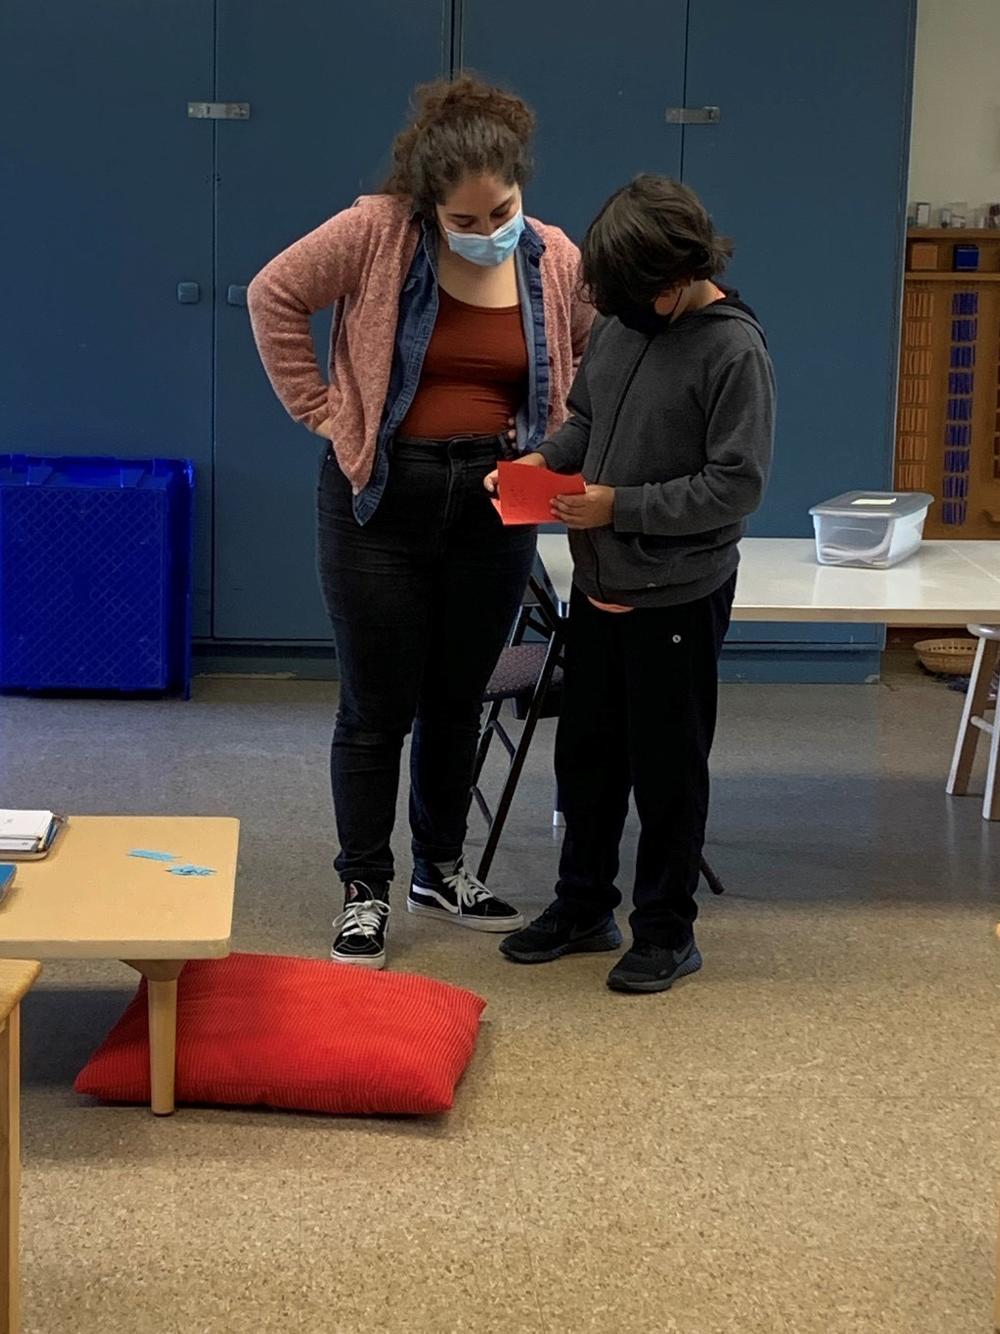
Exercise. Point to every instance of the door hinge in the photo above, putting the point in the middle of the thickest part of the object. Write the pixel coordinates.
(694, 115)
(218, 110)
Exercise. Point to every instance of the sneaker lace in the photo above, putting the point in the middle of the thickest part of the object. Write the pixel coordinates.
(363, 918)
(467, 889)
(550, 917)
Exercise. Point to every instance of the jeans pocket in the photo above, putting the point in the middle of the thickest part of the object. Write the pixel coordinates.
(334, 498)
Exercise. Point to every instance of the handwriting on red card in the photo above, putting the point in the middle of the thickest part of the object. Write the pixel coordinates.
(526, 493)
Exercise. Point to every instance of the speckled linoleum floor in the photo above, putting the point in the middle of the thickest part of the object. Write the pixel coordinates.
(802, 1138)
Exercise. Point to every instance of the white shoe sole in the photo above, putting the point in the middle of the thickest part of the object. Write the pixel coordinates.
(376, 961)
(494, 926)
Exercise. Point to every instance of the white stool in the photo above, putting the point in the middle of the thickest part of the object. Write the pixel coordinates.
(973, 722)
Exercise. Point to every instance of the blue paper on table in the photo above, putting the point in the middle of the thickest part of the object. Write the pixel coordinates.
(149, 856)
(190, 870)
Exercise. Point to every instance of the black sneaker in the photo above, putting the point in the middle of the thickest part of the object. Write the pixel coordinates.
(460, 898)
(556, 934)
(359, 931)
(653, 967)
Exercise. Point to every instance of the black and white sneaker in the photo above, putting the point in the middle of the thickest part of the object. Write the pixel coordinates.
(458, 897)
(359, 931)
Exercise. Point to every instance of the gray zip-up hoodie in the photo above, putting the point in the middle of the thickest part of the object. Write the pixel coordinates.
(681, 424)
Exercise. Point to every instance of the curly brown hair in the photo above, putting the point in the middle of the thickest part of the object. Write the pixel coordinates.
(649, 236)
(459, 128)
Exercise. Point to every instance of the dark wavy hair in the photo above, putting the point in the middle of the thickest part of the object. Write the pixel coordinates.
(460, 128)
(651, 235)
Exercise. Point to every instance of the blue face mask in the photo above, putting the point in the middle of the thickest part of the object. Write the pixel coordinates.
(488, 251)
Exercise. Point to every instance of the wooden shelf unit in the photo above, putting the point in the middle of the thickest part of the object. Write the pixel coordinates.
(950, 276)
(948, 422)
(959, 234)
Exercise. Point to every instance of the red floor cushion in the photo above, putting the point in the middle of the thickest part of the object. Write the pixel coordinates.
(303, 1034)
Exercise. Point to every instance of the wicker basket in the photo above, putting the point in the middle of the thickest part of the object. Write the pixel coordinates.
(947, 657)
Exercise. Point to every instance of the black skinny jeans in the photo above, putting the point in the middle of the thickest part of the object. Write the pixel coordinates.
(422, 599)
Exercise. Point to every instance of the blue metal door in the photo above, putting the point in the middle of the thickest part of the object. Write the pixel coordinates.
(136, 229)
(806, 169)
(106, 232)
(600, 79)
(328, 85)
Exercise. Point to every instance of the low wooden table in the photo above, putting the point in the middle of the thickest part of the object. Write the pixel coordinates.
(90, 900)
(15, 980)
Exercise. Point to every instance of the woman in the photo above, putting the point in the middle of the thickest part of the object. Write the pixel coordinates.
(456, 319)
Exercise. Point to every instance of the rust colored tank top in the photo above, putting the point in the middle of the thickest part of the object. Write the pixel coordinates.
(475, 372)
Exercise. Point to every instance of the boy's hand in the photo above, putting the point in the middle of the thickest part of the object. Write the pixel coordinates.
(531, 460)
(594, 509)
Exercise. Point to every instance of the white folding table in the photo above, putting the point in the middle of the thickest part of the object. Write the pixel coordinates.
(944, 583)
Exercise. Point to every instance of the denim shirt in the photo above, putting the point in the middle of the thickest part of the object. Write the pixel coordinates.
(418, 309)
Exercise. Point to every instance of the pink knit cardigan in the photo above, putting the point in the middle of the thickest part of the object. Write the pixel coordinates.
(361, 257)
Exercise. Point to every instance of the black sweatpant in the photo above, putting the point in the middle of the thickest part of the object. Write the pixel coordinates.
(638, 715)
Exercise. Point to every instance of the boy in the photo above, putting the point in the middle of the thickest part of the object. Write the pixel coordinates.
(672, 426)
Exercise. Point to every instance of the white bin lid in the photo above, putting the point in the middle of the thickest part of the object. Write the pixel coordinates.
(878, 504)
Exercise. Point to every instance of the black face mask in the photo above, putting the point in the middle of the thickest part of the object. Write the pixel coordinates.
(644, 318)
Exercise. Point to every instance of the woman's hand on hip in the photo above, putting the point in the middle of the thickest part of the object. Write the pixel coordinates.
(530, 460)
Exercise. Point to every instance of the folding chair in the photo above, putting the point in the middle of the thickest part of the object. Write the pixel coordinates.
(979, 699)
(525, 675)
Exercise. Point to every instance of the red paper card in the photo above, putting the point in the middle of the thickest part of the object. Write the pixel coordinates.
(526, 493)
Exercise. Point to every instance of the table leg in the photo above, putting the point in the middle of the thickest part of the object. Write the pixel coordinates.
(161, 980)
(10, 1173)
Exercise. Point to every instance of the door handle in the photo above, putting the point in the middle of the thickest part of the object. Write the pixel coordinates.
(694, 115)
(218, 110)
(235, 295)
(189, 294)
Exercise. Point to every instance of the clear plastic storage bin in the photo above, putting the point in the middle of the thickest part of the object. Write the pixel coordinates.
(874, 529)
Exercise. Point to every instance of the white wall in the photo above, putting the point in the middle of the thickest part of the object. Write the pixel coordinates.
(955, 142)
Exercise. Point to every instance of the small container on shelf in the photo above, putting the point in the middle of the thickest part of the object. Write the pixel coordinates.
(965, 258)
(870, 529)
(923, 255)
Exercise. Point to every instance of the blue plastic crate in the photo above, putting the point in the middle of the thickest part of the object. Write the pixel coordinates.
(95, 573)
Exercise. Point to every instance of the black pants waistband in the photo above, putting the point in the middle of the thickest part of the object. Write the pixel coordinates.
(457, 447)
